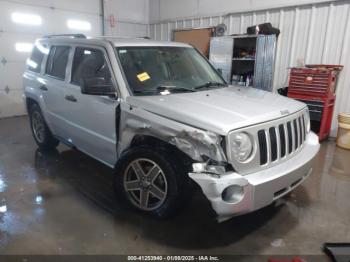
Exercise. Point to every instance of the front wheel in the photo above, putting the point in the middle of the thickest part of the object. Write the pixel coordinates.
(148, 181)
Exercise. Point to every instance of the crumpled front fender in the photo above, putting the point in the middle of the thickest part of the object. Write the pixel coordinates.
(195, 143)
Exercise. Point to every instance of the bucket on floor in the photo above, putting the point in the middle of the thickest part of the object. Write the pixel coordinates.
(343, 137)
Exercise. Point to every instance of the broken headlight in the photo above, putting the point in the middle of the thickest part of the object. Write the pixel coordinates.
(242, 146)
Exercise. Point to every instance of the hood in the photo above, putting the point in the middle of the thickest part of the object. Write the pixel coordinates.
(219, 110)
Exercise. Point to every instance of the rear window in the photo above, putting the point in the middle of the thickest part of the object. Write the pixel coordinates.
(57, 61)
(36, 59)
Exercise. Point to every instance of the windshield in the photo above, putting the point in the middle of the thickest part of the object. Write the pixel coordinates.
(165, 70)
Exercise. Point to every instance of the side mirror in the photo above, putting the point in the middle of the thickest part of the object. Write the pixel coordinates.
(97, 86)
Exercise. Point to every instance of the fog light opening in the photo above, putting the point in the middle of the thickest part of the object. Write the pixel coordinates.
(233, 194)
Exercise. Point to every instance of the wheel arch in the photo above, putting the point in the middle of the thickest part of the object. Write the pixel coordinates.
(179, 183)
(159, 145)
(30, 102)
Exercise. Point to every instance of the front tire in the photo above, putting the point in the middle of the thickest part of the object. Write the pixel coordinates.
(41, 132)
(149, 182)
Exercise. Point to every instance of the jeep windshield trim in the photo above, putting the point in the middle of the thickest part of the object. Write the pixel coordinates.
(162, 70)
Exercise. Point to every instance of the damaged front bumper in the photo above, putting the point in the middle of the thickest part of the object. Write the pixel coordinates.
(233, 194)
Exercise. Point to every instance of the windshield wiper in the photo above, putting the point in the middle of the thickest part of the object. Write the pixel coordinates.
(162, 88)
(144, 92)
(210, 84)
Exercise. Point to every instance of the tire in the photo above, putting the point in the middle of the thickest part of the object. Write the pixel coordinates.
(160, 182)
(41, 132)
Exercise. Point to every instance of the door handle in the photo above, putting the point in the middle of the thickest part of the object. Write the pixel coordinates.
(43, 87)
(71, 98)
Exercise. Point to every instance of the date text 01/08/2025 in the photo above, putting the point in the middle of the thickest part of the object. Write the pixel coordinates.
(173, 258)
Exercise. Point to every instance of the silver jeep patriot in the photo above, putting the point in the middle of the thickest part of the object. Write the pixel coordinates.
(163, 118)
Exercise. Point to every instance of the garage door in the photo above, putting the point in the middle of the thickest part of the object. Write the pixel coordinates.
(21, 22)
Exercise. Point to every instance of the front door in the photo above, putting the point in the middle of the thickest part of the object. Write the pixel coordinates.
(91, 118)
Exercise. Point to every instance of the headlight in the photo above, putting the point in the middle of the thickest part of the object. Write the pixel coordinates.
(242, 146)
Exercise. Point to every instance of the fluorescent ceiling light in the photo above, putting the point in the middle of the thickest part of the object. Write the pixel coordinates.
(79, 25)
(26, 19)
(23, 47)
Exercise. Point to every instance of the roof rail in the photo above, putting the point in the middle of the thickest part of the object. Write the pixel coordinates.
(123, 37)
(66, 35)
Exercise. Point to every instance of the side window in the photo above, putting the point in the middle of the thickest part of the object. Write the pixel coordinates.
(57, 61)
(36, 58)
(90, 63)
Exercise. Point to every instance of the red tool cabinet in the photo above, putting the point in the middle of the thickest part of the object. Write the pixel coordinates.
(315, 85)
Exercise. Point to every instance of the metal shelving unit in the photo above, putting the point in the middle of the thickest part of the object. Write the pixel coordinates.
(245, 58)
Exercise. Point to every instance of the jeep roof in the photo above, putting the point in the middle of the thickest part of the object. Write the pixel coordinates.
(116, 41)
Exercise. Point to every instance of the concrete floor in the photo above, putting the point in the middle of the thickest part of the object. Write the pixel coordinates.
(62, 203)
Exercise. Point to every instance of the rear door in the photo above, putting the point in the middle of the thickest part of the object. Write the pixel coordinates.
(91, 118)
(53, 88)
(32, 79)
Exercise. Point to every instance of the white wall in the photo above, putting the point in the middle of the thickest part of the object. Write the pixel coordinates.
(54, 15)
(131, 16)
(316, 33)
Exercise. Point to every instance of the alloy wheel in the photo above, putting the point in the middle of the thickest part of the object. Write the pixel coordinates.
(38, 126)
(145, 184)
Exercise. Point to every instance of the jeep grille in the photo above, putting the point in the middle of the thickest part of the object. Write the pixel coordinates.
(274, 142)
(279, 141)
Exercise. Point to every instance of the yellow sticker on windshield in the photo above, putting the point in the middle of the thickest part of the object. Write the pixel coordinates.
(143, 76)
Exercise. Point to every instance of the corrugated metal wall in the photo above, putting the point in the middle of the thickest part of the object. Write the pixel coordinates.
(312, 34)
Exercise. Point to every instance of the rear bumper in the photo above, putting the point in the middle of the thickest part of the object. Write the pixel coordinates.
(261, 188)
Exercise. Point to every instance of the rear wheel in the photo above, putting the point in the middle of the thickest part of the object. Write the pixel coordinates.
(147, 181)
(40, 130)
